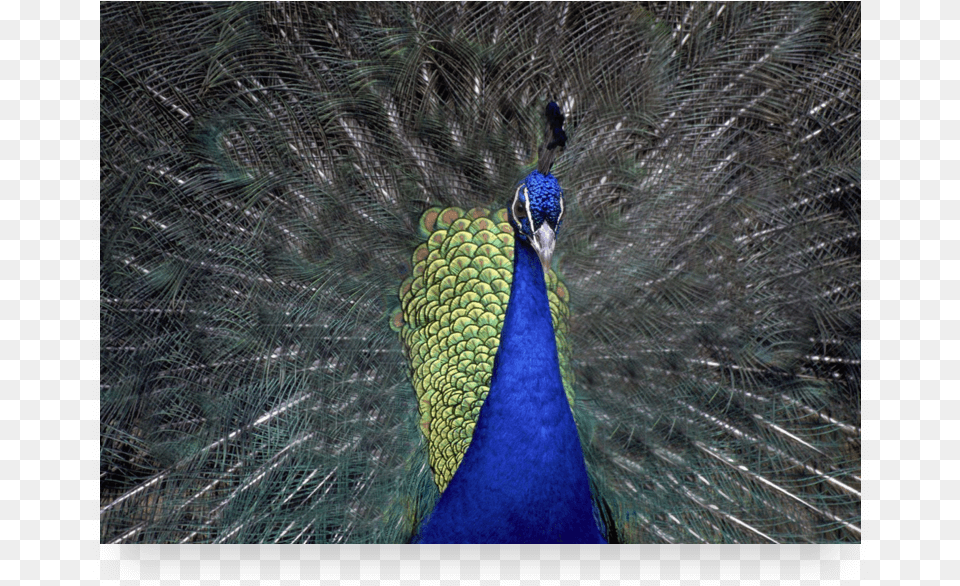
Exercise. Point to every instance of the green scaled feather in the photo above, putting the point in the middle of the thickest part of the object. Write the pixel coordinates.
(451, 316)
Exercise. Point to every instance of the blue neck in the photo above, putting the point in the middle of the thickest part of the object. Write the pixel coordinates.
(523, 478)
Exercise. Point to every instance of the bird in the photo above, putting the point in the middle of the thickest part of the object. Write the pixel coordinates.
(273, 177)
(518, 473)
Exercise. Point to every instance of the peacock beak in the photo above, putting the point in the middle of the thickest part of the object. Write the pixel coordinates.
(543, 242)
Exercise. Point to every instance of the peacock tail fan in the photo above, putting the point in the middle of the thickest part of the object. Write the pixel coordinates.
(265, 169)
(451, 316)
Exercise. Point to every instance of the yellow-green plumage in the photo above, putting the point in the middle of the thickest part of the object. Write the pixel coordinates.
(451, 315)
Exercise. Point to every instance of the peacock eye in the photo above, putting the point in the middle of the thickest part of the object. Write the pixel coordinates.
(519, 211)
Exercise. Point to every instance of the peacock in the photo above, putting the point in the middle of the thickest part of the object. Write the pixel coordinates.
(337, 304)
(517, 475)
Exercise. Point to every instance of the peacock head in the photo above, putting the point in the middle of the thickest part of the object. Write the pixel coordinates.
(536, 212)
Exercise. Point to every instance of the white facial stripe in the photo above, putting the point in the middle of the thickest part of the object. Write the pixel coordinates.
(526, 194)
(560, 217)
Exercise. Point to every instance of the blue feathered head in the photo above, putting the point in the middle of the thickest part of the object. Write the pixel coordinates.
(536, 213)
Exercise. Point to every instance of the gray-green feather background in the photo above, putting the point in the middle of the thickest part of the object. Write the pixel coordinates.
(263, 170)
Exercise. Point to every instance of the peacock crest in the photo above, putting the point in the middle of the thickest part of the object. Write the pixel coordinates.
(451, 315)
